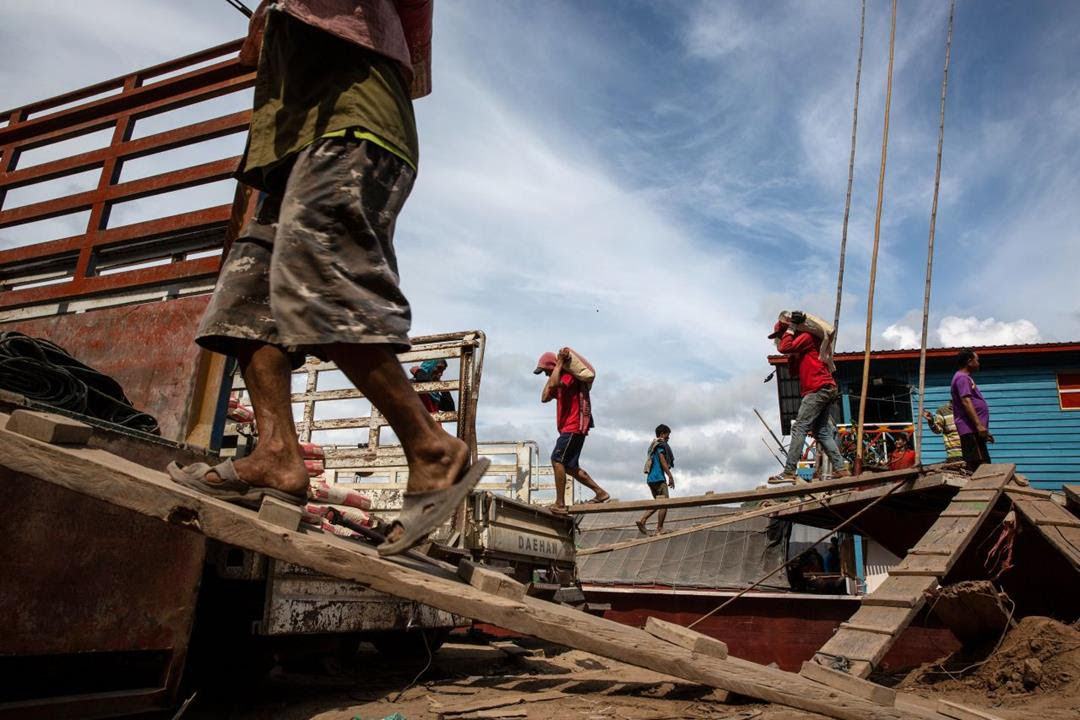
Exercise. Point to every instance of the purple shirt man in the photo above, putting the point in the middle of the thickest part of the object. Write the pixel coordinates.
(963, 385)
(970, 411)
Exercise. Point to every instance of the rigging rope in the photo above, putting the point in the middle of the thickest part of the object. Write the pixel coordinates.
(850, 176)
(877, 241)
(930, 242)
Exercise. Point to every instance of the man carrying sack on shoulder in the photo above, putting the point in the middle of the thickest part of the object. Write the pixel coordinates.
(569, 380)
(807, 341)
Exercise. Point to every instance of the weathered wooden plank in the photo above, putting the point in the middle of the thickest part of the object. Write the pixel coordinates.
(967, 495)
(685, 637)
(964, 712)
(1027, 491)
(866, 628)
(936, 565)
(278, 512)
(898, 591)
(1059, 522)
(961, 513)
(49, 427)
(881, 619)
(1072, 497)
(490, 581)
(891, 476)
(105, 476)
(1055, 524)
(842, 681)
(727, 520)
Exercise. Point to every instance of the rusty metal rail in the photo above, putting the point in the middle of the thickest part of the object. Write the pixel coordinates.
(70, 267)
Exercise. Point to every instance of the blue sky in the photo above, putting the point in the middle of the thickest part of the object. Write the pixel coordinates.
(652, 182)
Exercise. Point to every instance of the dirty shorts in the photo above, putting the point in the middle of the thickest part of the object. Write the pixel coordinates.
(316, 265)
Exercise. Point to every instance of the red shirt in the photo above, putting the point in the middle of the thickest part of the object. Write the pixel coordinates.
(568, 412)
(900, 460)
(803, 360)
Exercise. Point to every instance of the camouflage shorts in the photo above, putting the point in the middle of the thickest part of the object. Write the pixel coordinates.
(317, 265)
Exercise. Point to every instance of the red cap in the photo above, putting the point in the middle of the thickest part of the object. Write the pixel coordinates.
(547, 361)
(778, 329)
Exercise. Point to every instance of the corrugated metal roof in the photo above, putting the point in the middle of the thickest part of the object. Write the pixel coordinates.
(729, 557)
(907, 353)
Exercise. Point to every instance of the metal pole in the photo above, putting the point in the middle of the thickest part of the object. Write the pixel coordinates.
(930, 242)
(877, 241)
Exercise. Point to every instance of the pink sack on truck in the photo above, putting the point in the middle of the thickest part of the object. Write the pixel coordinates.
(337, 495)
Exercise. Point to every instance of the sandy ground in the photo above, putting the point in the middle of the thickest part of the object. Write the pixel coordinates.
(573, 684)
(1034, 673)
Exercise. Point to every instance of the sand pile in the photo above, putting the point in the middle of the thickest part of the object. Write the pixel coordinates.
(1038, 660)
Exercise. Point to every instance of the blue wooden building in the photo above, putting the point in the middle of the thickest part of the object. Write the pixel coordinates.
(1033, 392)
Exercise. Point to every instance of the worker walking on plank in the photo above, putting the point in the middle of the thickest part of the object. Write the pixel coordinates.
(333, 149)
(970, 411)
(573, 416)
(818, 390)
(658, 464)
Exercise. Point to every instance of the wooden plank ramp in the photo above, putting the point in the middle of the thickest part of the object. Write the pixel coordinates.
(885, 613)
(866, 479)
(105, 476)
(1057, 525)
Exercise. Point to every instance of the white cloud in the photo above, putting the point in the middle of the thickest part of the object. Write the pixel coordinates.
(955, 331)
(958, 331)
(900, 336)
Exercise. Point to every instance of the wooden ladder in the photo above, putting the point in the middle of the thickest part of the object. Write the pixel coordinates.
(885, 613)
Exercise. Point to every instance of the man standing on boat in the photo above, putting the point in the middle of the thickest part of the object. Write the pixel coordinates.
(970, 411)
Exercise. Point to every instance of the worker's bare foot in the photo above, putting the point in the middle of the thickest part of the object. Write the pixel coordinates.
(558, 509)
(438, 464)
(272, 465)
(641, 527)
(602, 497)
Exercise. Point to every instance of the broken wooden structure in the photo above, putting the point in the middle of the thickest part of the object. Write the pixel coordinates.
(139, 491)
(128, 486)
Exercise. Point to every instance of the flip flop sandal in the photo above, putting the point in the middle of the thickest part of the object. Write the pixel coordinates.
(641, 527)
(231, 488)
(608, 499)
(422, 512)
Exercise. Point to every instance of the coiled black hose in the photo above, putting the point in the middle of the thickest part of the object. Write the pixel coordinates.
(46, 373)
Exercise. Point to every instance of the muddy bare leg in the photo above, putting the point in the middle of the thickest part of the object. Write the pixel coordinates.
(660, 517)
(585, 479)
(276, 461)
(559, 471)
(436, 458)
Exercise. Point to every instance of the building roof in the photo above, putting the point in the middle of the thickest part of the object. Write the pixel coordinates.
(728, 557)
(941, 352)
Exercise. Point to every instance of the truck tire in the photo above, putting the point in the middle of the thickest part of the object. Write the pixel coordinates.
(409, 644)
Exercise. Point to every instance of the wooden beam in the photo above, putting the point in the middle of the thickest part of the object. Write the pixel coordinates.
(281, 513)
(49, 427)
(1072, 497)
(490, 581)
(749, 495)
(685, 637)
(842, 681)
(107, 477)
(964, 712)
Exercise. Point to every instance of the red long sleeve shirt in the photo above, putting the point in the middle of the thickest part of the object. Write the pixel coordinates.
(803, 360)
